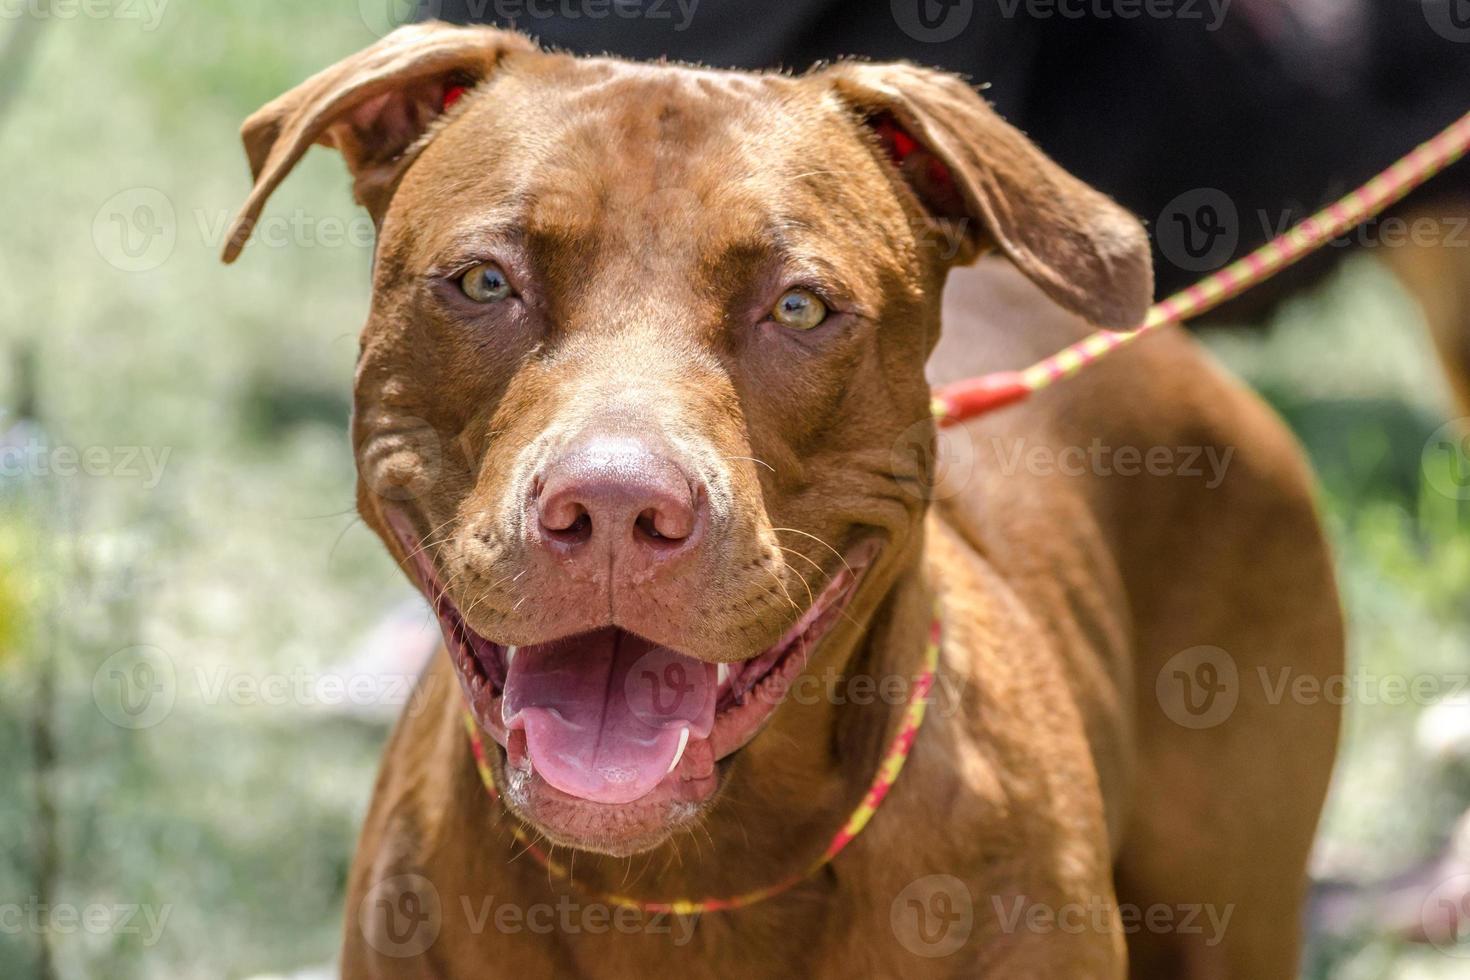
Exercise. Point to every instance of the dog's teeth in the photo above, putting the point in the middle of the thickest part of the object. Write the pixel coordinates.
(722, 675)
(683, 744)
(510, 654)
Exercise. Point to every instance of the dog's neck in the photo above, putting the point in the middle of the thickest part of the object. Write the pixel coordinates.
(788, 793)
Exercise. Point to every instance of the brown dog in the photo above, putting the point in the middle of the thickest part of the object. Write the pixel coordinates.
(644, 384)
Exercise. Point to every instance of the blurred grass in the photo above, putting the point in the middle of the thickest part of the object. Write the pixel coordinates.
(245, 559)
(1351, 369)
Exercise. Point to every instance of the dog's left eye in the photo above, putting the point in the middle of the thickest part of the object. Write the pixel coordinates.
(485, 283)
(799, 309)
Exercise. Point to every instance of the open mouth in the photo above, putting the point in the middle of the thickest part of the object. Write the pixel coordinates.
(609, 717)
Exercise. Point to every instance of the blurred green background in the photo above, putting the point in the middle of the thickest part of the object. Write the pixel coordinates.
(216, 530)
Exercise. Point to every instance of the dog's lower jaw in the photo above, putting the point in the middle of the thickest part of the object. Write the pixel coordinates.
(811, 766)
(618, 831)
(755, 693)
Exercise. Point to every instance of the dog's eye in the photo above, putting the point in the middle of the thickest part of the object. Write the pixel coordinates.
(799, 309)
(485, 283)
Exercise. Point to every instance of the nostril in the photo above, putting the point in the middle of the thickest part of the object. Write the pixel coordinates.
(618, 495)
(569, 523)
(657, 527)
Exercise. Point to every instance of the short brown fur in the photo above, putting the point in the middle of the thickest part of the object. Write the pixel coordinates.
(649, 213)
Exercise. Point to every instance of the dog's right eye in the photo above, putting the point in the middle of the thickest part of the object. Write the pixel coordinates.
(485, 283)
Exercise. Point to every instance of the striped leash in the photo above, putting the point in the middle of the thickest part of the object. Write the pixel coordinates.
(961, 400)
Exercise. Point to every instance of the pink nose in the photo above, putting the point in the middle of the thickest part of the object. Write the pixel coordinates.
(618, 497)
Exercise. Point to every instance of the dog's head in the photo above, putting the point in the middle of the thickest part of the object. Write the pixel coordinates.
(641, 402)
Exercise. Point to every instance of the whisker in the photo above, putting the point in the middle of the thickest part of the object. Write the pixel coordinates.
(811, 598)
(320, 517)
(818, 541)
(792, 551)
(754, 460)
(332, 551)
(783, 590)
(425, 541)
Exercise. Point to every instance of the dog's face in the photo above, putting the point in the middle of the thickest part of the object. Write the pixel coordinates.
(641, 402)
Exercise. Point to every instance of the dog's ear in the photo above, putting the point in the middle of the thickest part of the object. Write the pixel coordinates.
(981, 183)
(372, 107)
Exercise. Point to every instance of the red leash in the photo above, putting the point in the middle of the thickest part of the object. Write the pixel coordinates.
(966, 399)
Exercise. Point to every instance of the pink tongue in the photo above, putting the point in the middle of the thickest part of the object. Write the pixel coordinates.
(603, 712)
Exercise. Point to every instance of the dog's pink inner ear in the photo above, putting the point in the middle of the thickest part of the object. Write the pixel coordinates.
(375, 134)
(384, 126)
(926, 174)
